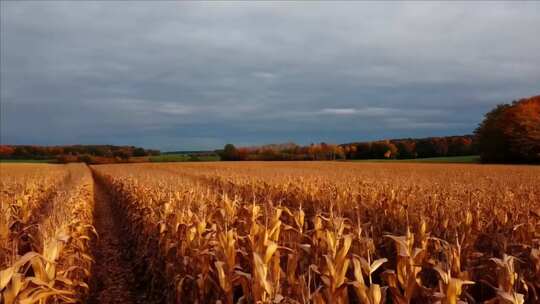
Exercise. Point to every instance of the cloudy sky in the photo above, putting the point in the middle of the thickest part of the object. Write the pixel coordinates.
(195, 75)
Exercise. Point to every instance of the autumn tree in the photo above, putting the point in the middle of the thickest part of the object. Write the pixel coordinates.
(406, 149)
(6, 151)
(339, 152)
(383, 149)
(523, 129)
(460, 145)
(425, 148)
(314, 151)
(363, 150)
(350, 151)
(511, 132)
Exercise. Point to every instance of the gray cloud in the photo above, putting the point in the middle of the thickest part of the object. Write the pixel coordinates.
(190, 75)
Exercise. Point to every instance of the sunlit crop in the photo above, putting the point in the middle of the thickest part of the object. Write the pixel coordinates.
(319, 232)
(45, 254)
(333, 232)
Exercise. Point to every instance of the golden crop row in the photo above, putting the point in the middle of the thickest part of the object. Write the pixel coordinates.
(333, 232)
(49, 257)
(24, 188)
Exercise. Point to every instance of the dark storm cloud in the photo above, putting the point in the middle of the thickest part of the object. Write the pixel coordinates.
(194, 75)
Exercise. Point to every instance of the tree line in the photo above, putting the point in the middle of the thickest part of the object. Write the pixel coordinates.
(412, 148)
(510, 133)
(391, 149)
(75, 153)
(286, 151)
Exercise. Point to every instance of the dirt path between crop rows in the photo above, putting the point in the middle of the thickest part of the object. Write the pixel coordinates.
(113, 278)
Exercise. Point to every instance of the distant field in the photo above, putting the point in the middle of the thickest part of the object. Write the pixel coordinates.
(471, 159)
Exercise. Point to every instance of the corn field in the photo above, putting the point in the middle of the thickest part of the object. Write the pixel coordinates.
(46, 229)
(274, 232)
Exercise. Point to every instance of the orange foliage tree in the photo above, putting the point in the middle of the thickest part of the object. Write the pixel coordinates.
(511, 132)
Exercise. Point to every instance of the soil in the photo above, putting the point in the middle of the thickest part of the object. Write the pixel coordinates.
(113, 277)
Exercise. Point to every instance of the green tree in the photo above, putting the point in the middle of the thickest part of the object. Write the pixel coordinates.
(229, 152)
(139, 152)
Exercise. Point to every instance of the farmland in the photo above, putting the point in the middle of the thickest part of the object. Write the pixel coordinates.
(270, 232)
